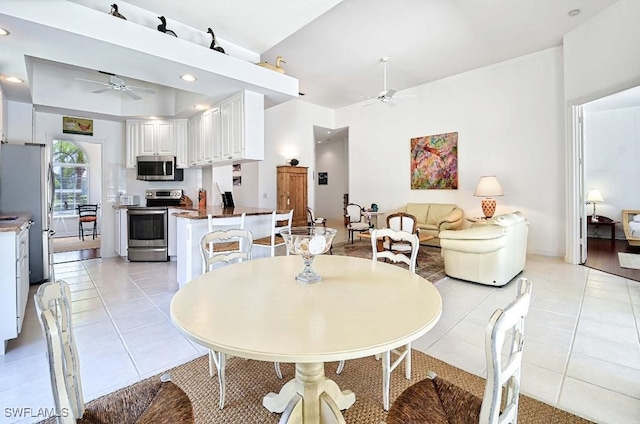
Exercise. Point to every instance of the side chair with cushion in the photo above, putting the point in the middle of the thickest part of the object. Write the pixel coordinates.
(401, 221)
(435, 400)
(150, 401)
(390, 236)
(226, 223)
(210, 256)
(279, 221)
(312, 221)
(87, 214)
(357, 222)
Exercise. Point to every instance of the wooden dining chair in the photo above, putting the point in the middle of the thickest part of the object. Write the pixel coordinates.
(87, 214)
(399, 355)
(243, 239)
(225, 223)
(353, 213)
(436, 400)
(155, 400)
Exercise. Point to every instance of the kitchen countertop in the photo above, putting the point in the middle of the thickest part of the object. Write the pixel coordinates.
(220, 212)
(15, 224)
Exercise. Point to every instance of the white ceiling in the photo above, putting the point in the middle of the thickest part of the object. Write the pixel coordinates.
(332, 47)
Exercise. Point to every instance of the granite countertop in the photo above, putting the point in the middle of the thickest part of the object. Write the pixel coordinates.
(220, 212)
(13, 225)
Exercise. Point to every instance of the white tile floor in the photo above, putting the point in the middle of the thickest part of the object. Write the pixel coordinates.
(582, 350)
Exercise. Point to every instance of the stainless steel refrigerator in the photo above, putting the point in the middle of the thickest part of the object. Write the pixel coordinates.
(26, 186)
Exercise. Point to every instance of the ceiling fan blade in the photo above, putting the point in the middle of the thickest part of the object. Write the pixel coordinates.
(102, 90)
(143, 89)
(95, 82)
(131, 94)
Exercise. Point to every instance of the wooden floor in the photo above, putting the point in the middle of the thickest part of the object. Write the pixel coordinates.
(602, 254)
(75, 255)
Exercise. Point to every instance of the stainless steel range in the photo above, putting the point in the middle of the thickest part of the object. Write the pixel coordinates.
(147, 226)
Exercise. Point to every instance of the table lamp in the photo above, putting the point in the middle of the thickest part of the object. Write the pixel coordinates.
(487, 187)
(594, 197)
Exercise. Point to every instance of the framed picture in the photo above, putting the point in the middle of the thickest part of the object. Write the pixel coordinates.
(434, 162)
(237, 167)
(323, 178)
(237, 181)
(80, 126)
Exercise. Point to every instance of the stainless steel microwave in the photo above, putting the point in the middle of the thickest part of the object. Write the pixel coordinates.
(158, 168)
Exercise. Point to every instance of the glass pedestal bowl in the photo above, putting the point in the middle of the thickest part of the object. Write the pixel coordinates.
(308, 242)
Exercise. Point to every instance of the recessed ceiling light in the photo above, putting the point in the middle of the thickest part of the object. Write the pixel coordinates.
(328, 132)
(200, 107)
(153, 117)
(13, 79)
(187, 77)
(574, 12)
(3, 32)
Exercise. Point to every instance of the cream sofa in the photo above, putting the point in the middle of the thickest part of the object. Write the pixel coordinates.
(432, 218)
(491, 252)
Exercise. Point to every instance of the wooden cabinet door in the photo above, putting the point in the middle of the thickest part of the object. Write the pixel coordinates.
(292, 192)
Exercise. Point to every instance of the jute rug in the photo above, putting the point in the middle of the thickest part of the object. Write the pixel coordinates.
(70, 244)
(248, 381)
(629, 260)
(430, 263)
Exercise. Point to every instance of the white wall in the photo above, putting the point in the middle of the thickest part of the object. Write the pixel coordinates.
(288, 134)
(19, 122)
(602, 56)
(110, 134)
(613, 137)
(509, 119)
(247, 193)
(331, 158)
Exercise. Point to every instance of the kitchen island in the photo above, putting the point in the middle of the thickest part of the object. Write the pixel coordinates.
(192, 224)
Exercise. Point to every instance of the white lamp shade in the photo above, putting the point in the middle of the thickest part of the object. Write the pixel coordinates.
(488, 186)
(594, 196)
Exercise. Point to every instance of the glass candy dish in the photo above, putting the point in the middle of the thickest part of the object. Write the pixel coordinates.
(308, 242)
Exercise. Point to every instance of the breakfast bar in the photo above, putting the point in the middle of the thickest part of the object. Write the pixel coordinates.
(193, 224)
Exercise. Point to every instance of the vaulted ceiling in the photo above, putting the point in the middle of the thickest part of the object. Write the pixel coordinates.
(331, 47)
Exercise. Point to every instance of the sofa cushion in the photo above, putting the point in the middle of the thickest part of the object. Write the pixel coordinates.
(419, 210)
(437, 211)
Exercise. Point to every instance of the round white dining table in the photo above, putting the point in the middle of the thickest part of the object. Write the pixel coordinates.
(257, 310)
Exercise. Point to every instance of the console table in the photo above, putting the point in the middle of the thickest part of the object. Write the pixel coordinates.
(603, 220)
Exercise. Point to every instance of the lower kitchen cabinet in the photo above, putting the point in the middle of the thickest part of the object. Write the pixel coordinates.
(121, 235)
(14, 282)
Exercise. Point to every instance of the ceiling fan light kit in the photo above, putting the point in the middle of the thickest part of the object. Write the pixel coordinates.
(118, 84)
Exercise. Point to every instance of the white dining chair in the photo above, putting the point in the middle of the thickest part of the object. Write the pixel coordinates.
(356, 220)
(279, 221)
(237, 246)
(146, 401)
(390, 237)
(447, 402)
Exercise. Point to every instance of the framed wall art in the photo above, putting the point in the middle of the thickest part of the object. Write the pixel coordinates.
(434, 162)
(80, 126)
(323, 178)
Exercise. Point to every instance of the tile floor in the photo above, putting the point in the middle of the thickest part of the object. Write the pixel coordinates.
(582, 348)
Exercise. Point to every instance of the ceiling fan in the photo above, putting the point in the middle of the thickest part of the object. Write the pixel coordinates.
(386, 95)
(118, 84)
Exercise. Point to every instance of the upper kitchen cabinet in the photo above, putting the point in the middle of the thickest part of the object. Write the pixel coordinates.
(157, 138)
(242, 127)
(150, 138)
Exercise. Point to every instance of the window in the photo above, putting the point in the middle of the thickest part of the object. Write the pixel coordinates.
(71, 177)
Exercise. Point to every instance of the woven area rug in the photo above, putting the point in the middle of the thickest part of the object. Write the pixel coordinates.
(248, 381)
(629, 260)
(70, 244)
(430, 262)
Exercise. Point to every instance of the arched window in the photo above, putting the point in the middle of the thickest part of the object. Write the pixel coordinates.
(71, 177)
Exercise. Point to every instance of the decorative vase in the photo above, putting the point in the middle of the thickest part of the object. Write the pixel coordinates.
(294, 162)
(308, 242)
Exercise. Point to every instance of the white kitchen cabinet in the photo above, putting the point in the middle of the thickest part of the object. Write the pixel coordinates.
(242, 127)
(14, 282)
(182, 159)
(132, 144)
(194, 140)
(172, 233)
(211, 136)
(157, 138)
(121, 235)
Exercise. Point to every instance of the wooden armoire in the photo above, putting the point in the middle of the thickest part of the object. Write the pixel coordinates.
(292, 192)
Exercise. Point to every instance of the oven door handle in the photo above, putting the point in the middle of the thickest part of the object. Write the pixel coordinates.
(147, 212)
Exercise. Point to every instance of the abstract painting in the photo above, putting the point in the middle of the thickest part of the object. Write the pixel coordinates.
(434, 162)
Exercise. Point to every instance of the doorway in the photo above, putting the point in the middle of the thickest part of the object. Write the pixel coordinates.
(610, 130)
(331, 173)
(77, 178)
